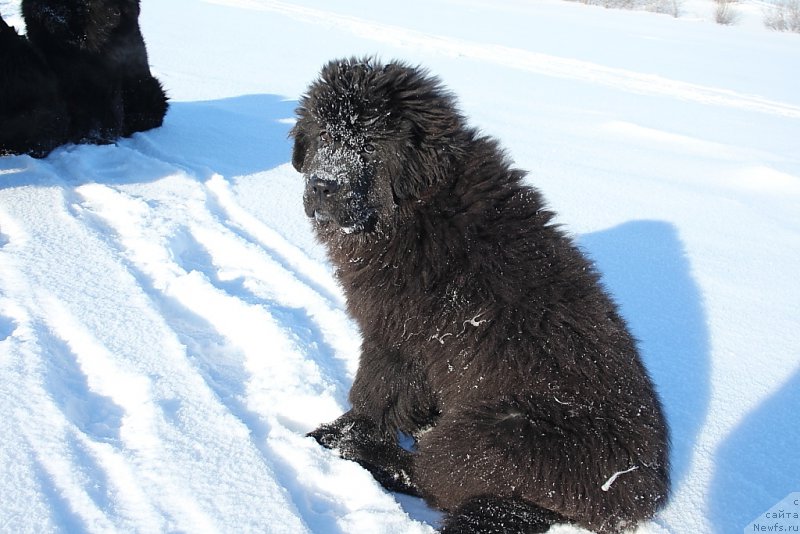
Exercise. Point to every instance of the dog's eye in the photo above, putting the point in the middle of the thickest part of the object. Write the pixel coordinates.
(369, 148)
(325, 137)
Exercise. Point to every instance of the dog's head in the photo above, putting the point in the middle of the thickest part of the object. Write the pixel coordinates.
(77, 24)
(369, 138)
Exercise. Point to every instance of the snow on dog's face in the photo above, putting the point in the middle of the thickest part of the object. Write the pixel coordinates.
(363, 134)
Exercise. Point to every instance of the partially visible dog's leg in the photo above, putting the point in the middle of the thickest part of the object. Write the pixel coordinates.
(357, 438)
(145, 104)
(552, 453)
(495, 515)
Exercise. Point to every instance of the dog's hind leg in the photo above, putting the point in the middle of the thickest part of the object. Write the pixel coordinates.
(555, 454)
(495, 515)
(145, 104)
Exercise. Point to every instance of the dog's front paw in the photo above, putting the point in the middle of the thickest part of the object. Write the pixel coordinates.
(357, 438)
(332, 435)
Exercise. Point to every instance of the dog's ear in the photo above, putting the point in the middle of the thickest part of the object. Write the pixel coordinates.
(408, 186)
(300, 147)
(426, 166)
(401, 188)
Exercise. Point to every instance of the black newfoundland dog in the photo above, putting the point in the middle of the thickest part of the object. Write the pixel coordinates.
(81, 75)
(487, 336)
(33, 115)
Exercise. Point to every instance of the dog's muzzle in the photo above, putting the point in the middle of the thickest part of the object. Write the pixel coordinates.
(320, 193)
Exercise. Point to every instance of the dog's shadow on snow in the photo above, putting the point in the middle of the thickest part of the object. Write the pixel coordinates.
(233, 136)
(644, 266)
(758, 465)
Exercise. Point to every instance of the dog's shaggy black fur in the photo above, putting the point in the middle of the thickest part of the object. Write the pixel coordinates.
(486, 334)
(33, 116)
(96, 49)
(91, 55)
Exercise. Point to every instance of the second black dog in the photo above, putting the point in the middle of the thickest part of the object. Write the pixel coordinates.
(33, 116)
(91, 55)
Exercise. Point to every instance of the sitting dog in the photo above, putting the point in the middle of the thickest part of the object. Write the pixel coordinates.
(33, 116)
(92, 54)
(487, 335)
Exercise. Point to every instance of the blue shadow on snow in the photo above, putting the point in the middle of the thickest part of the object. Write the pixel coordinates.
(759, 463)
(231, 136)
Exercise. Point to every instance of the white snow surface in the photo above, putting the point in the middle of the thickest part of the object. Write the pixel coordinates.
(169, 330)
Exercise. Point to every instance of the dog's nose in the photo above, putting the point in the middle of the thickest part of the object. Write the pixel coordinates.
(323, 188)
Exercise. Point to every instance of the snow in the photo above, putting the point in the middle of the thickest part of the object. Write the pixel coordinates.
(169, 329)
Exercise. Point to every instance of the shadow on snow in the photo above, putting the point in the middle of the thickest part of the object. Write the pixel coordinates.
(759, 463)
(232, 137)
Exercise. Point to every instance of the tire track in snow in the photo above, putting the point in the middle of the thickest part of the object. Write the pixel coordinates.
(213, 289)
(51, 394)
(226, 287)
(519, 59)
(132, 424)
(247, 268)
(222, 295)
(192, 260)
(307, 291)
(23, 403)
(222, 204)
(168, 459)
(290, 257)
(231, 268)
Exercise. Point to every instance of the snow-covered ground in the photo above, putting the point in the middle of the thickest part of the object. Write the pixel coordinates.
(169, 330)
